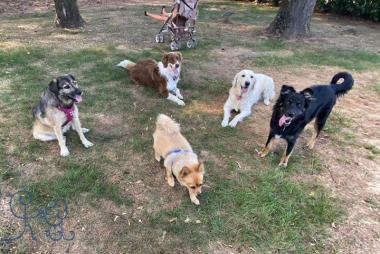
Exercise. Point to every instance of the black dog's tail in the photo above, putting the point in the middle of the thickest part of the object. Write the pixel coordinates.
(341, 89)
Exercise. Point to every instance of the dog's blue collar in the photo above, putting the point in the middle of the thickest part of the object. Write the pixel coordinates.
(177, 151)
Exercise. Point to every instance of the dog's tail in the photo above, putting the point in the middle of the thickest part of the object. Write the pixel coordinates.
(167, 124)
(126, 64)
(343, 88)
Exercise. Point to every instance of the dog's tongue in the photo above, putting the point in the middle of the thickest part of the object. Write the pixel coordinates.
(244, 90)
(78, 98)
(283, 120)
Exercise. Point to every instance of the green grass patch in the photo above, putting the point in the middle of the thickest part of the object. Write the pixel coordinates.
(77, 179)
(271, 44)
(267, 211)
(351, 60)
(374, 151)
(243, 13)
(339, 127)
(376, 87)
(336, 122)
(20, 56)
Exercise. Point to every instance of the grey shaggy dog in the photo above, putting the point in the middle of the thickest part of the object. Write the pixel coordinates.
(57, 112)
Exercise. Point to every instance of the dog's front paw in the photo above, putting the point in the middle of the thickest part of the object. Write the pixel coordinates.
(266, 102)
(195, 201)
(311, 145)
(233, 123)
(224, 123)
(283, 162)
(171, 181)
(262, 153)
(180, 102)
(179, 96)
(85, 130)
(87, 143)
(64, 151)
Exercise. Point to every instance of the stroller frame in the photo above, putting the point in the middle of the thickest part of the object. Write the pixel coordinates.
(178, 34)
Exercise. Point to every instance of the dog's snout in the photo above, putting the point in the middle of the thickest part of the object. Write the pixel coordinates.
(291, 114)
(79, 91)
(247, 83)
(176, 65)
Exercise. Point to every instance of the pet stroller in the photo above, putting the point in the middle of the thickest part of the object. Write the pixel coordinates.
(179, 24)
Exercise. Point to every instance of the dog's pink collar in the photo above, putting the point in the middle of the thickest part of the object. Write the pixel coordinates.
(69, 113)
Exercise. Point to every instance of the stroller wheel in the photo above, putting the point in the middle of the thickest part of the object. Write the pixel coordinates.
(191, 44)
(159, 38)
(175, 45)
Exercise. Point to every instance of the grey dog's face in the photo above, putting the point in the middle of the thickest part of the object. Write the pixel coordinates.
(66, 89)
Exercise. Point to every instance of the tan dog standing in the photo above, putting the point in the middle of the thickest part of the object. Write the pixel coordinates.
(180, 160)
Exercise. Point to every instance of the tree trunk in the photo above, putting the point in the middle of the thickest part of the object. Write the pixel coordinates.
(68, 14)
(293, 19)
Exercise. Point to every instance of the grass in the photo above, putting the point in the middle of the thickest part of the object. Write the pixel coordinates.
(374, 151)
(376, 87)
(243, 13)
(77, 179)
(336, 122)
(339, 127)
(265, 210)
(249, 202)
(351, 60)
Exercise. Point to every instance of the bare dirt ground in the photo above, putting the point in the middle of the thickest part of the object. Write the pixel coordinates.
(351, 176)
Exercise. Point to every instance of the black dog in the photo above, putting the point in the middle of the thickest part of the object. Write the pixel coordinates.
(293, 111)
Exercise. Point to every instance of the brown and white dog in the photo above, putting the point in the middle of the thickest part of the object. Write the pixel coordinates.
(163, 75)
(180, 160)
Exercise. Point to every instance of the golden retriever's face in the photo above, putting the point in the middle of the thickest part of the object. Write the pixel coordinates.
(244, 81)
(172, 61)
(192, 178)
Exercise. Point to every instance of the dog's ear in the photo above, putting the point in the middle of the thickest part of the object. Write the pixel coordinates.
(201, 168)
(53, 86)
(184, 172)
(285, 89)
(165, 60)
(179, 54)
(234, 81)
(308, 93)
(71, 76)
